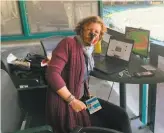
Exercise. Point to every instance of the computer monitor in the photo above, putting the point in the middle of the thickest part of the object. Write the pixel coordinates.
(141, 40)
(106, 38)
(113, 32)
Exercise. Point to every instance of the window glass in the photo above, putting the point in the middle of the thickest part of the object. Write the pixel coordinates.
(45, 16)
(84, 9)
(139, 14)
(10, 18)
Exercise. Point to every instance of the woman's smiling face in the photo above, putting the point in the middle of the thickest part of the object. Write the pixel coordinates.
(92, 28)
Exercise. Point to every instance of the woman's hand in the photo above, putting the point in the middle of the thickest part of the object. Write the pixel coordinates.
(77, 105)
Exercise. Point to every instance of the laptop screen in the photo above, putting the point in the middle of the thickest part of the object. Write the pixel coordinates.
(120, 49)
(106, 37)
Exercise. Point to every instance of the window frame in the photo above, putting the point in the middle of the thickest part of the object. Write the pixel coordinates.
(26, 28)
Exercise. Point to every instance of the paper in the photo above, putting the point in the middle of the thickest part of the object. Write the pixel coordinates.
(11, 58)
(44, 62)
(161, 63)
(93, 105)
(148, 67)
(49, 55)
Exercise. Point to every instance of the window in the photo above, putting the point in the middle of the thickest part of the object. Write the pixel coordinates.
(48, 16)
(37, 19)
(139, 14)
(10, 21)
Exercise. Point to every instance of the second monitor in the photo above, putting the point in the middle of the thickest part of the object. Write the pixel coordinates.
(141, 40)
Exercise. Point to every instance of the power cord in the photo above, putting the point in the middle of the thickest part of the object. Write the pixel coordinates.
(124, 72)
(110, 91)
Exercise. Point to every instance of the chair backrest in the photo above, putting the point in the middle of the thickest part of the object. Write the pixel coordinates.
(3, 67)
(93, 129)
(10, 108)
(50, 43)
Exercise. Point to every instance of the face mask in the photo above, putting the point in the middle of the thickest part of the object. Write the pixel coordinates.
(93, 38)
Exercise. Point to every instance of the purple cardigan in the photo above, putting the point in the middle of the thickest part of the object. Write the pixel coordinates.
(65, 68)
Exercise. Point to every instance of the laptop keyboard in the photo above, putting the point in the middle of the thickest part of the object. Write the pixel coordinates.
(109, 62)
(113, 61)
(109, 66)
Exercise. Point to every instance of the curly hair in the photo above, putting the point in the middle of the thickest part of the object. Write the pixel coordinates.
(91, 19)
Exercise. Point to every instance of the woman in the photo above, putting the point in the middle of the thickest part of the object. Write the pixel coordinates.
(67, 75)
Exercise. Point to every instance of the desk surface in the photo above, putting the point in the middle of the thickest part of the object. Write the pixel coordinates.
(134, 66)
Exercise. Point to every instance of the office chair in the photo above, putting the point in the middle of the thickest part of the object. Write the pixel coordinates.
(50, 43)
(93, 129)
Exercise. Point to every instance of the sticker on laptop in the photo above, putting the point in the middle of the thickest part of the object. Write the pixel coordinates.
(93, 105)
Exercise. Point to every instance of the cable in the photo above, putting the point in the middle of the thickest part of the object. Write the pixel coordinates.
(124, 72)
(110, 91)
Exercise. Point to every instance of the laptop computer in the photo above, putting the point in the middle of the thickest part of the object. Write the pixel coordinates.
(117, 56)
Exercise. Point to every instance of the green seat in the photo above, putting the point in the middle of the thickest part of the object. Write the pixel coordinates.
(42, 129)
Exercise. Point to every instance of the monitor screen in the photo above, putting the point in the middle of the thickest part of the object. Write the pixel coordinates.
(113, 32)
(106, 38)
(141, 40)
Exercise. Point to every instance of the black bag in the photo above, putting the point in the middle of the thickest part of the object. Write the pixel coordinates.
(32, 71)
(34, 75)
(35, 60)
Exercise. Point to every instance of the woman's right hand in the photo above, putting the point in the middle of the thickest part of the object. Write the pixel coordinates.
(77, 105)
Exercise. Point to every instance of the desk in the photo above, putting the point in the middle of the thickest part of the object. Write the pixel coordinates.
(134, 66)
